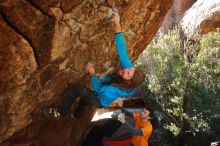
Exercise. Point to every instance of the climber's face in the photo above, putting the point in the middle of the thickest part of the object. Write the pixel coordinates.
(144, 115)
(127, 73)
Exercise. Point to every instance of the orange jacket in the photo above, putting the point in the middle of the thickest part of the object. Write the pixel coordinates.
(146, 128)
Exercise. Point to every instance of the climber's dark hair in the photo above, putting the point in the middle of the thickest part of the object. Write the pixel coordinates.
(134, 82)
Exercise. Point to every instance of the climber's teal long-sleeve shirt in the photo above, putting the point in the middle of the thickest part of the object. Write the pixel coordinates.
(109, 93)
(124, 59)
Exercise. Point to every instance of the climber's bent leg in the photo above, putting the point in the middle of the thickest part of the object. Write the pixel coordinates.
(70, 94)
(89, 97)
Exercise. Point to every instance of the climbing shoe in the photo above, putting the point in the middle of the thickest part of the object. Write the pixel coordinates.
(51, 112)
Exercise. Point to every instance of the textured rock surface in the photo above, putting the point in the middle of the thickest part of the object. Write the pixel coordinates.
(201, 18)
(46, 44)
(175, 14)
(17, 63)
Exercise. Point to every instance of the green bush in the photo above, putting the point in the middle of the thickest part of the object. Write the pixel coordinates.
(187, 89)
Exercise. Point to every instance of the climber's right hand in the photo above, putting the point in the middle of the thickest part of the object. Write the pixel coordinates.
(116, 18)
(90, 68)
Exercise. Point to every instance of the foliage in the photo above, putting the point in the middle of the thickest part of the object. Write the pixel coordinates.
(188, 90)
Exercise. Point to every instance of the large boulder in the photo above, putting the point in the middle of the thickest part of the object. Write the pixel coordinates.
(175, 14)
(46, 44)
(201, 18)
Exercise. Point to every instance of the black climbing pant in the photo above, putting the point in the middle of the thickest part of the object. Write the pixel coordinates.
(87, 97)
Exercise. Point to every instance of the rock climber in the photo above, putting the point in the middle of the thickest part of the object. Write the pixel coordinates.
(122, 83)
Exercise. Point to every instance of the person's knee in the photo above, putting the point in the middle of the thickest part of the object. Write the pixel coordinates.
(74, 85)
(77, 87)
(83, 91)
(70, 91)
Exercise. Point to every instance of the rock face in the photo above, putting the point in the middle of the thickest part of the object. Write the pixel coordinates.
(45, 45)
(201, 18)
(175, 14)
